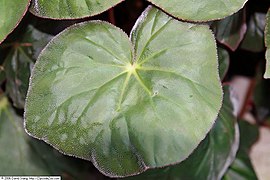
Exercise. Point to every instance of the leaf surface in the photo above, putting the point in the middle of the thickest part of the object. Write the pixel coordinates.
(200, 10)
(22, 155)
(11, 13)
(19, 62)
(70, 9)
(241, 168)
(267, 44)
(224, 62)
(230, 31)
(212, 157)
(253, 40)
(126, 106)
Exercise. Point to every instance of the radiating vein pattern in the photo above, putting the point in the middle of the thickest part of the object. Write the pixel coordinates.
(126, 106)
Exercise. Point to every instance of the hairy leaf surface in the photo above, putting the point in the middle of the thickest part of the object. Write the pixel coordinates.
(71, 9)
(200, 10)
(22, 155)
(126, 106)
(11, 13)
(212, 157)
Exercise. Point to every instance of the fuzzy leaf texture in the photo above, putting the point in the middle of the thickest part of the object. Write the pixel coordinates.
(127, 106)
(58, 9)
(212, 157)
(11, 13)
(196, 10)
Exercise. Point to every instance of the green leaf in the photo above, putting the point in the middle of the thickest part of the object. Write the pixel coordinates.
(267, 44)
(261, 97)
(224, 61)
(253, 40)
(93, 96)
(19, 62)
(58, 9)
(2, 75)
(212, 157)
(22, 155)
(242, 169)
(231, 30)
(200, 10)
(11, 13)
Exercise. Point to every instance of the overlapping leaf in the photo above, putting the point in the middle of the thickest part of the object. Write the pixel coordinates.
(231, 30)
(253, 40)
(19, 62)
(11, 13)
(212, 157)
(200, 10)
(95, 97)
(242, 169)
(224, 61)
(58, 9)
(22, 155)
(267, 44)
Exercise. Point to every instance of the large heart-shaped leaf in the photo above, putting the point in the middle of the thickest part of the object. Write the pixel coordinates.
(200, 10)
(58, 9)
(19, 62)
(126, 106)
(22, 155)
(212, 157)
(267, 44)
(11, 13)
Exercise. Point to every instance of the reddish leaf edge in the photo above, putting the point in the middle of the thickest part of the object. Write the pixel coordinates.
(18, 22)
(75, 18)
(145, 168)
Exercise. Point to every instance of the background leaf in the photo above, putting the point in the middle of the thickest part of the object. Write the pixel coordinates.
(267, 44)
(11, 13)
(19, 62)
(200, 10)
(212, 157)
(22, 155)
(253, 40)
(224, 62)
(231, 30)
(242, 169)
(126, 112)
(57, 9)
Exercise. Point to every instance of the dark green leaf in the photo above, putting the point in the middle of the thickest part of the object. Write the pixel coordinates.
(2, 75)
(242, 169)
(11, 13)
(231, 30)
(267, 44)
(93, 96)
(200, 10)
(19, 62)
(261, 97)
(253, 40)
(22, 155)
(224, 61)
(58, 9)
(212, 157)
